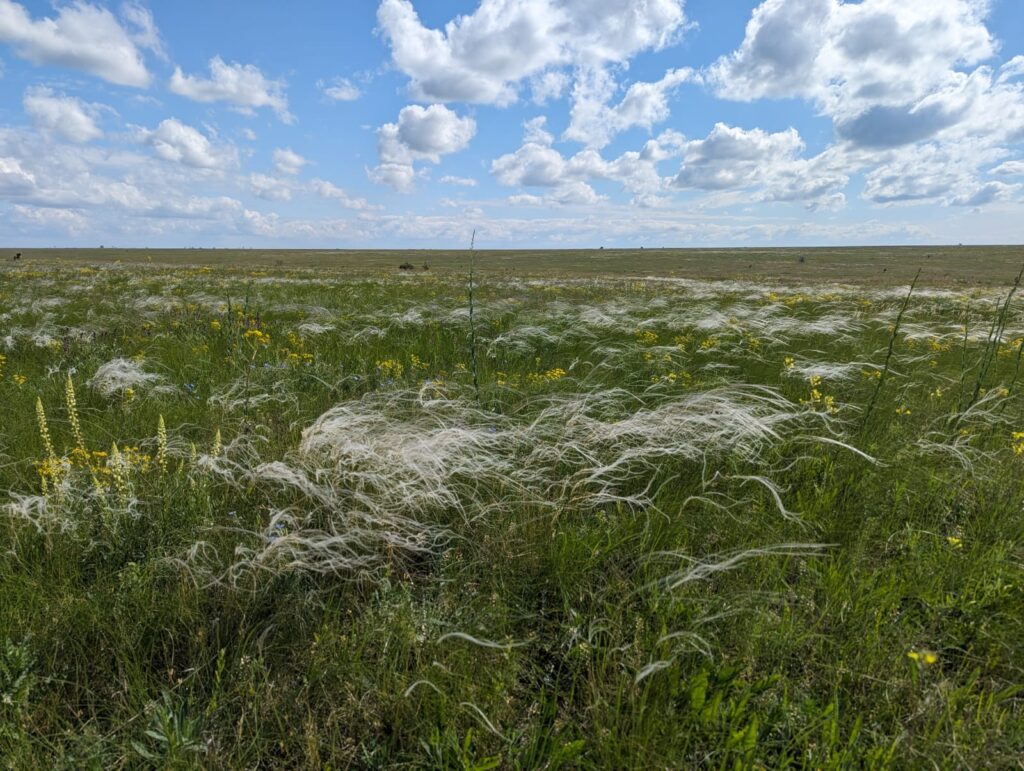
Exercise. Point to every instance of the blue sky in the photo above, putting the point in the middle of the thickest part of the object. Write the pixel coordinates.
(390, 123)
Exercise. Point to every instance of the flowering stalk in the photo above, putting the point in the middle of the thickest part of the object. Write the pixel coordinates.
(161, 445)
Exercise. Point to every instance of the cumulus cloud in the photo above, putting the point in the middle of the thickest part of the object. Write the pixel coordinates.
(935, 173)
(80, 36)
(287, 161)
(1009, 169)
(46, 219)
(732, 158)
(537, 164)
(594, 122)
(270, 188)
(64, 116)
(766, 166)
(241, 85)
(421, 133)
(460, 181)
(330, 191)
(548, 85)
(483, 56)
(173, 140)
(339, 89)
(15, 180)
(128, 192)
(142, 29)
(888, 72)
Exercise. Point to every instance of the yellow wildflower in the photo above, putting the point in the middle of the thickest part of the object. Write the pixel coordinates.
(923, 657)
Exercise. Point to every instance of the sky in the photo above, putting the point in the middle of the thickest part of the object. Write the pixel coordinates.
(539, 123)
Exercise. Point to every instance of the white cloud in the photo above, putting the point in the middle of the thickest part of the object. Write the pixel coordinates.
(65, 116)
(46, 219)
(144, 32)
(81, 36)
(287, 161)
(594, 122)
(15, 180)
(249, 134)
(534, 131)
(124, 190)
(1012, 69)
(461, 181)
(329, 190)
(887, 72)
(732, 159)
(548, 85)
(240, 85)
(481, 57)
(339, 89)
(421, 133)
(398, 176)
(270, 188)
(173, 140)
(767, 166)
(988, 193)
(537, 164)
(1009, 169)
(935, 173)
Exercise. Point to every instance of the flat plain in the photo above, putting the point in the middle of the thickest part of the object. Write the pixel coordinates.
(644, 508)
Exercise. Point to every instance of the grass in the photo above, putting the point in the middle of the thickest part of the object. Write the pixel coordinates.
(666, 533)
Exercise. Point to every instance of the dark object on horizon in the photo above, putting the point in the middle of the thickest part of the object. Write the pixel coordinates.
(426, 267)
(803, 259)
(407, 266)
(885, 270)
(601, 247)
(17, 256)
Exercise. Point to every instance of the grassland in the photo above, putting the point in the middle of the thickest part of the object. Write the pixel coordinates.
(697, 513)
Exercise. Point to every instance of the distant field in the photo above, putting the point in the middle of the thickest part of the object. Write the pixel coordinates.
(945, 265)
(300, 510)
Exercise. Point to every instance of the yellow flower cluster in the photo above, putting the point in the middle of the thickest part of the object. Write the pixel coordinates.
(671, 378)
(416, 362)
(789, 362)
(257, 337)
(550, 376)
(923, 657)
(646, 337)
(1018, 442)
(871, 374)
(817, 399)
(390, 368)
(901, 410)
(708, 343)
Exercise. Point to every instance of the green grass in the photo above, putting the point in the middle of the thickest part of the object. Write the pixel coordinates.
(668, 534)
